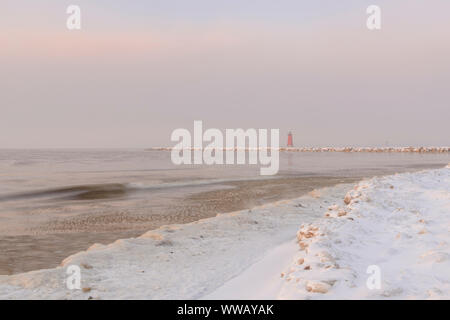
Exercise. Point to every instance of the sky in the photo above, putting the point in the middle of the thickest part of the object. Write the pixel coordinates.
(137, 70)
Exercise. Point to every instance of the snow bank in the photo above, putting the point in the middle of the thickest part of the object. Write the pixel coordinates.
(399, 225)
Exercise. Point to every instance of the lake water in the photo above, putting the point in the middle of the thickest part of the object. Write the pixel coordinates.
(57, 202)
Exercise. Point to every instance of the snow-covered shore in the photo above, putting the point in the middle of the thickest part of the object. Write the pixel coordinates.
(395, 230)
(185, 261)
(399, 223)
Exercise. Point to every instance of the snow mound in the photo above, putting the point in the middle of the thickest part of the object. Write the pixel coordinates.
(398, 225)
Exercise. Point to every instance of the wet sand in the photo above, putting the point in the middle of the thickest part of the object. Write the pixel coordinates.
(48, 244)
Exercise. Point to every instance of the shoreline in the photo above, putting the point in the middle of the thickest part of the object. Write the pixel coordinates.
(175, 238)
(49, 246)
(35, 251)
(150, 258)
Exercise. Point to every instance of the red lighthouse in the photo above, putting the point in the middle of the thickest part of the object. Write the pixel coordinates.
(290, 142)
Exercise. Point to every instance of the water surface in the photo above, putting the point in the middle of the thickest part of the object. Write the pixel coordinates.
(54, 203)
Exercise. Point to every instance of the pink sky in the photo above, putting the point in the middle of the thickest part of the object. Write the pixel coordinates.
(129, 83)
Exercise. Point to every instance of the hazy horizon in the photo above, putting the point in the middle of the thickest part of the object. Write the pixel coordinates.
(137, 71)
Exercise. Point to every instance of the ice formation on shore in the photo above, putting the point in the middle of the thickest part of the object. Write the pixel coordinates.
(400, 223)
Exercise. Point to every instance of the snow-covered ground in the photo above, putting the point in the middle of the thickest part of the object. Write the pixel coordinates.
(400, 224)
(388, 239)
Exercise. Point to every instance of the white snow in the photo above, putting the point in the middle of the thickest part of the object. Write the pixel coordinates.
(403, 229)
(400, 224)
(261, 281)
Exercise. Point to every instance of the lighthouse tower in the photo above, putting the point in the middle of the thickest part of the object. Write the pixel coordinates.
(290, 142)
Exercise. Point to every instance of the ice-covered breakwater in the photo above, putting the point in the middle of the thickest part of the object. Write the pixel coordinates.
(336, 149)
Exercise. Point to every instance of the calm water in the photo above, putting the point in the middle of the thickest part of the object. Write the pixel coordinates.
(34, 182)
(32, 170)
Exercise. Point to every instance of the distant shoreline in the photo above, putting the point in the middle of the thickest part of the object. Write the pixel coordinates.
(327, 149)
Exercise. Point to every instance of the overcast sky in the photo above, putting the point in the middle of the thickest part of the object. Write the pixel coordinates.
(140, 69)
